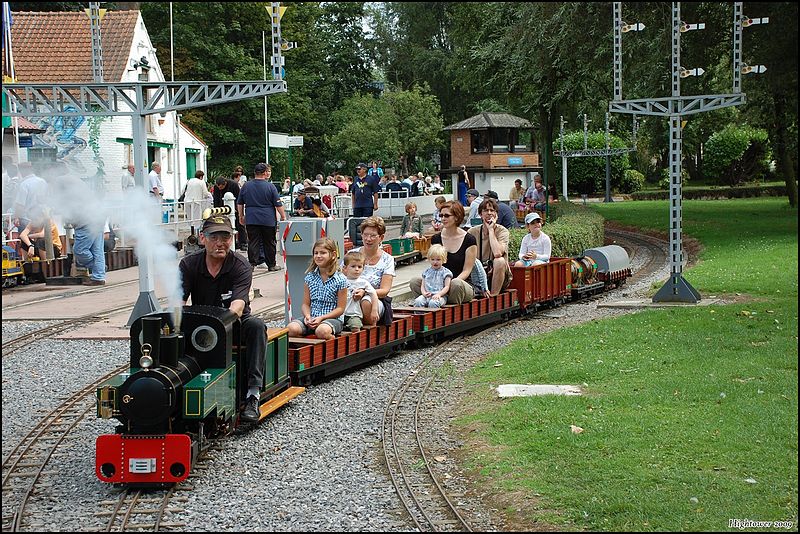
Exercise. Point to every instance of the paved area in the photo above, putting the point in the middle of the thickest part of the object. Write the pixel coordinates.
(647, 303)
(39, 302)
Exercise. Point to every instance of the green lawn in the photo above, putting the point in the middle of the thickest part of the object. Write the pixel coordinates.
(689, 416)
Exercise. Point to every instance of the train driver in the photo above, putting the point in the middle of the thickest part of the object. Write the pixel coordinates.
(217, 276)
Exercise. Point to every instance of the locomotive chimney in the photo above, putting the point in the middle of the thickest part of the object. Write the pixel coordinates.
(172, 348)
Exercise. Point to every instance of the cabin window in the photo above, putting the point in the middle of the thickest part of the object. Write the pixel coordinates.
(480, 141)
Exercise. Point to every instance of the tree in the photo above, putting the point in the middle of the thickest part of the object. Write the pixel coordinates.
(393, 128)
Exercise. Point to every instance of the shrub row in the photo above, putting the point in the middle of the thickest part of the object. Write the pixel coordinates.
(572, 229)
(716, 193)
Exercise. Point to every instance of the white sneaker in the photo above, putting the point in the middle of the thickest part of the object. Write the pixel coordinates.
(261, 266)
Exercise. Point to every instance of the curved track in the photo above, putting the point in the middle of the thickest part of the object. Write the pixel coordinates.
(23, 468)
(426, 501)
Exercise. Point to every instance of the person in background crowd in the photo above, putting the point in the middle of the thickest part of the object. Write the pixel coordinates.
(257, 205)
(156, 187)
(436, 218)
(506, 216)
(31, 196)
(536, 246)
(128, 181)
(375, 172)
(222, 186)
(318, 209)
(325, 294)
(437, 187)
(474, 199)
(517, 193)
(417, 186)
(33, 239)
(89, 259)
(217, 276)
(463, 185)
(412, 223)
(365, 193)
(302, 204)
(196, 196)
(393, 184)
(287, 187)
(341, 183)
(242, 177)
(492, 239)
(536, 196)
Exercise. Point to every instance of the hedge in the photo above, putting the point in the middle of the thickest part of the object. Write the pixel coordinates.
(572, 229)
(713, 193)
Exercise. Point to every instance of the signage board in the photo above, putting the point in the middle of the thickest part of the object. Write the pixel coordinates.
(514, 161)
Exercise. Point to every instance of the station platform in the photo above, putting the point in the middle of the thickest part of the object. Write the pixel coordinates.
(113, 302)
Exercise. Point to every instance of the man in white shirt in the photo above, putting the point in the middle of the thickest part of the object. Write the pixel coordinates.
(128, 182)
(156, 187)
(196, 197)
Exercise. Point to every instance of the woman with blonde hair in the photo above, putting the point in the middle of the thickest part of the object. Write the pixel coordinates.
(379, 269)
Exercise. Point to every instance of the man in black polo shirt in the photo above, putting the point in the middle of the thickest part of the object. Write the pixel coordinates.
(218, 276)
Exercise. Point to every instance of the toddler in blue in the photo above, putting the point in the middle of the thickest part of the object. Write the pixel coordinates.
(435, 280)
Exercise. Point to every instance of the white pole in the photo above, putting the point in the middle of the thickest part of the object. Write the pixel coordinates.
(266, 124)
(176, 168)
(564, 175)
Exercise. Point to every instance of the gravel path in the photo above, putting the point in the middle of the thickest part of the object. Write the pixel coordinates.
(316, 465)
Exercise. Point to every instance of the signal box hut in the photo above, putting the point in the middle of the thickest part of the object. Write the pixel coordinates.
(497, 149)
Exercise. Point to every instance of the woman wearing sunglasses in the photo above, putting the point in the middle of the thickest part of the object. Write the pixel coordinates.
(462, 249)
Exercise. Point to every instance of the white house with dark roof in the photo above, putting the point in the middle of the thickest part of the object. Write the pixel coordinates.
(55, 47)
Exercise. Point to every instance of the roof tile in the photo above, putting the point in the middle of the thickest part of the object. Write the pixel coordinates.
(57, 47)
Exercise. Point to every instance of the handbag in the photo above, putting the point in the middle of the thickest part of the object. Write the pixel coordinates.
(388, 313)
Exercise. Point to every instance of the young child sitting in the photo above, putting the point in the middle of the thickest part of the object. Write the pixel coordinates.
(412, 223)
(325, 294)
(535, 247)
(358, 289)
(435, 280)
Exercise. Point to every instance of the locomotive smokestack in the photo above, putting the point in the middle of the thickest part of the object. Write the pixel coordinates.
(172, 348)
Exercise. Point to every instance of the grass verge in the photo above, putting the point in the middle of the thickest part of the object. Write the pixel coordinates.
(690, 415)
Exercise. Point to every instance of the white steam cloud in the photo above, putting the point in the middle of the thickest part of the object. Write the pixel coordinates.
(136, 213)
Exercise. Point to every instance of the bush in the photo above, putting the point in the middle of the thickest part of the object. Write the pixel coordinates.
(737, 154)
(572, 229)
(710, 193)
(663, 183)
(632, 181)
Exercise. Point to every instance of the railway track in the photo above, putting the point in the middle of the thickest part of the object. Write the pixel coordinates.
(406, 453)
(140, 510)
(657, 250)
(24, 467)
(420, 489)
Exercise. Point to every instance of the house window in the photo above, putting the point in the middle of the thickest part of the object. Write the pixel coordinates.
(480, 141)
(169, 160)
(43, 155)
